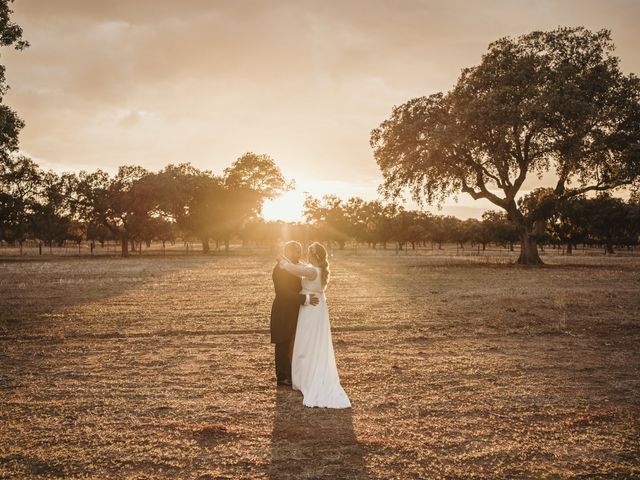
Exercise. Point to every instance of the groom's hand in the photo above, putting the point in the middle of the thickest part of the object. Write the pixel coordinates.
(313, 300)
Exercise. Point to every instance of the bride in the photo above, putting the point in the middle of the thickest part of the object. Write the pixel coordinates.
(313, 365)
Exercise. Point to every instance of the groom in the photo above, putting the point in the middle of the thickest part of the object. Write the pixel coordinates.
(284, 312)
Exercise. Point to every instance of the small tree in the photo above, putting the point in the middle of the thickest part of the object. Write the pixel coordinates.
(330, 217)
(568, 224)
(19, 182)
(607, 220)
(122, 203)
(258, 173)
(544, 102)
(498, 229)
(52, 210)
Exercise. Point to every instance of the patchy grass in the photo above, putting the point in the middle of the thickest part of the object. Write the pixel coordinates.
(162, 368)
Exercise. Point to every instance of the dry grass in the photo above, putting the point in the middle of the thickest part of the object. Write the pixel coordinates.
(162, 368)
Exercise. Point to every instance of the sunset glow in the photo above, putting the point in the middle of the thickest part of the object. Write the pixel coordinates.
(153, 83)
(287, 207)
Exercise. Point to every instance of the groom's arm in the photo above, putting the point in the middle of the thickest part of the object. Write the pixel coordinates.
(284, 292)
(293, 295)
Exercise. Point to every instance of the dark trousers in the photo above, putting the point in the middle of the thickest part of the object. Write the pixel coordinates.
(283, 360)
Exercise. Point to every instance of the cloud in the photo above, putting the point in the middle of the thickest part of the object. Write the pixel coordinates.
(157, 81)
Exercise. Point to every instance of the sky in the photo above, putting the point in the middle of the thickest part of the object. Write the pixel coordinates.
(153, 82)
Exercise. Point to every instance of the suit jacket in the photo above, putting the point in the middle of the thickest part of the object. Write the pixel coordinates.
(284, 311)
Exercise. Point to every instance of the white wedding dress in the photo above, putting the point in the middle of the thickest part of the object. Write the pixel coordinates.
(313, 366)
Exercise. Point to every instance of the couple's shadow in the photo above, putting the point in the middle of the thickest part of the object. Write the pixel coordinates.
(313, 442)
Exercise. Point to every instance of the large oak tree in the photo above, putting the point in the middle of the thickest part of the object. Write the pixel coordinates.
(552, 104)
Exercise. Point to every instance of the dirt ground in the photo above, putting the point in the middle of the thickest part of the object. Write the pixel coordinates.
(162, 368)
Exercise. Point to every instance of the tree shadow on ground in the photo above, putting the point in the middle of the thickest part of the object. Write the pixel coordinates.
(313, 442)
(53, 288)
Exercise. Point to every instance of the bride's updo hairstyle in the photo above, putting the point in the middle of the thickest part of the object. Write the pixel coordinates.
(320, 254)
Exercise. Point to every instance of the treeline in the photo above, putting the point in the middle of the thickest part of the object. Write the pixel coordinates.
(134, 205)
(603, 220)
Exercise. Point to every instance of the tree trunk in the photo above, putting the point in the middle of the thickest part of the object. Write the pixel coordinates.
(125, 245)
(609, 246)
(569, 248)
(529, 249)
(226, 244)
(205, 245)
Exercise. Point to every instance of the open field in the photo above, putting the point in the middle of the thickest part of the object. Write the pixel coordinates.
(162, 368)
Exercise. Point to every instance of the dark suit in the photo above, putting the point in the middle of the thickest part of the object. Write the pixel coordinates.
(284, 318)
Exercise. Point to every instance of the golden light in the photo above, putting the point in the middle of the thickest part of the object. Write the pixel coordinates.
(287, 207)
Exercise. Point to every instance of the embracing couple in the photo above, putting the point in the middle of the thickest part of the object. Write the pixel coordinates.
(300, 328)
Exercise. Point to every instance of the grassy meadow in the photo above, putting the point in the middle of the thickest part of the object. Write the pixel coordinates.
(457, 367)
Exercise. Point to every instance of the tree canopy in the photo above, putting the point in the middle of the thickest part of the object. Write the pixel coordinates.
(547, 102)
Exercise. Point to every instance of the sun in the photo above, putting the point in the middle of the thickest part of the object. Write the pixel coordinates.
(287, 207)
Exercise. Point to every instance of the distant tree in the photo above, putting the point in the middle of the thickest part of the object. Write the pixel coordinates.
(568, 223)
(356, 215)
(92, 194)
(233, 208)
(499, 229)
(207, 206)
(157, 227)
(258, 173)
(471, 231)
(383, 222)
(95, 231)
(249, 181)
(52, 218)
(410, 226)
(607, 220)
(416, 231)
(453, 229)
(141, 201)
(192, 199)
(19, 181)
(329, 216)
(122, 204)
(370, 221)
(544, 102)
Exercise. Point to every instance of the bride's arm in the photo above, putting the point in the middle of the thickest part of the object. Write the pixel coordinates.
(304, 271)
